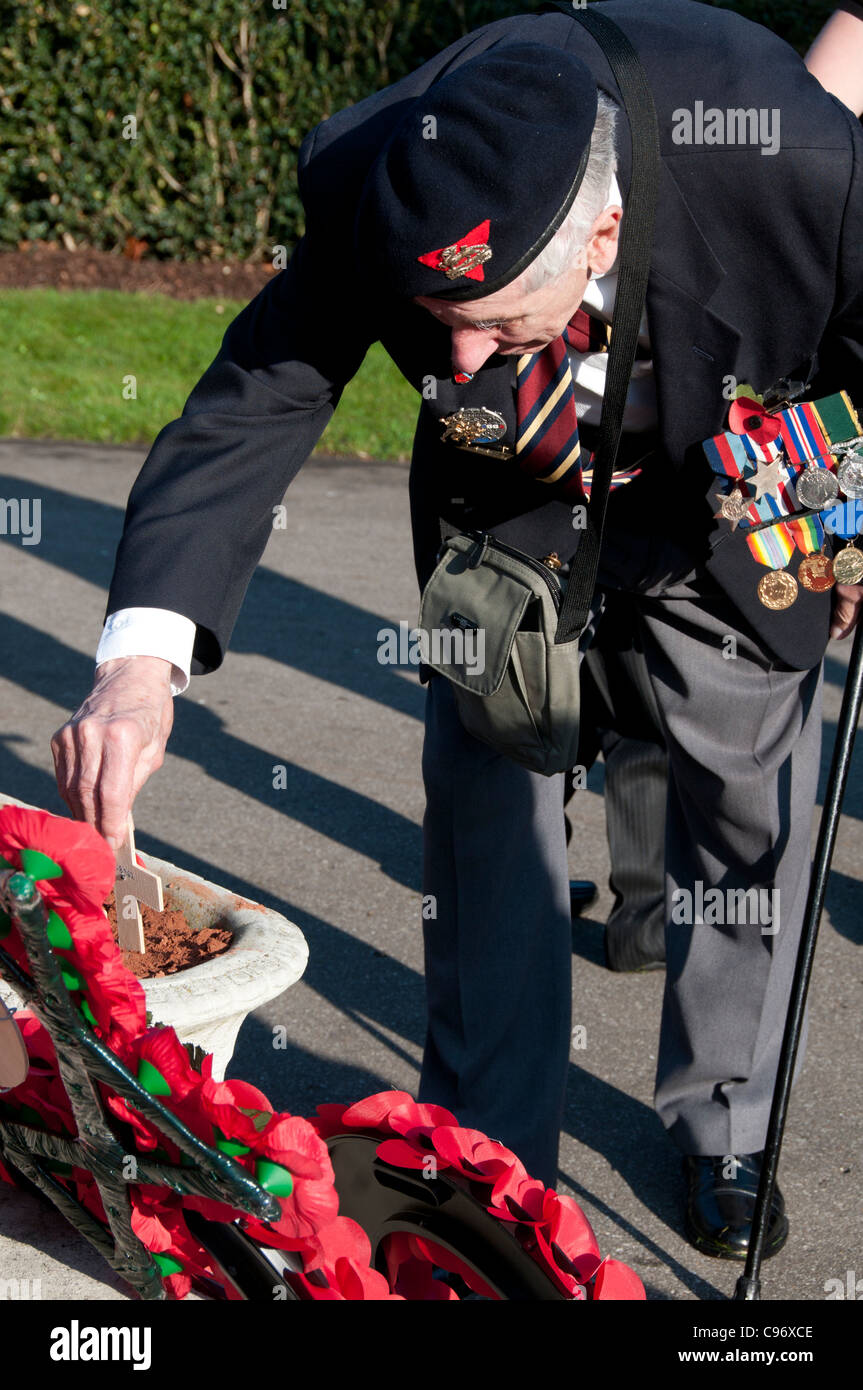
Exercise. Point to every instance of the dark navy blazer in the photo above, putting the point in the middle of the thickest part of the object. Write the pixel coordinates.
(756, 273)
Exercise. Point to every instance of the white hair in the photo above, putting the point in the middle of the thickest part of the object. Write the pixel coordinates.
(570, 239)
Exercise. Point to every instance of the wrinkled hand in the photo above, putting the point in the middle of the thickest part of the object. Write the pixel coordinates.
(104, 754)
(847, 599)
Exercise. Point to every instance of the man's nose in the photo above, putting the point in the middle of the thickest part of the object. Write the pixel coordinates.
(471, 347)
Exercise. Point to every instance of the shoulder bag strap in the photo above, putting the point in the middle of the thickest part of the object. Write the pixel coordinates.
(636, 243)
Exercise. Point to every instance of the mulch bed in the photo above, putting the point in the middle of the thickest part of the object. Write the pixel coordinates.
(45, 264)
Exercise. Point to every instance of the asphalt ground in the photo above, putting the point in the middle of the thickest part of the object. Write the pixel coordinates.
(338, 851)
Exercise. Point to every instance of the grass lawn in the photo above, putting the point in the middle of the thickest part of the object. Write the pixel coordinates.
(64, 354)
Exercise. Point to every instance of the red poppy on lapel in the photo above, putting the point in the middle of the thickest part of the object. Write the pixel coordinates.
(747, 416)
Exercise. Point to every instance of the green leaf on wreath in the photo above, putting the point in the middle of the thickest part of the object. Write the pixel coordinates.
(58, 933)
(232, 1147)
(39, 866)
(88, 1013)
(274, 1178)
(151, 1079)
(259, 1118)
(167, 1265)
(71, 978)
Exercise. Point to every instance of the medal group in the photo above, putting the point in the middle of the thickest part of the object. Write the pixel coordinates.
(793, 474)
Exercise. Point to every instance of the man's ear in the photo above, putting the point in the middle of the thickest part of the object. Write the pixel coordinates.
(602, 242)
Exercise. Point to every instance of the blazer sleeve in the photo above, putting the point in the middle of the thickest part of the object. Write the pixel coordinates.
(840, 355)
(201, 510)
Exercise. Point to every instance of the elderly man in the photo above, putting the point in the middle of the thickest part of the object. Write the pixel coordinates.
(466, 217)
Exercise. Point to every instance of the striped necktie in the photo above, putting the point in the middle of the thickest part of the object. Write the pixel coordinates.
(547, 444)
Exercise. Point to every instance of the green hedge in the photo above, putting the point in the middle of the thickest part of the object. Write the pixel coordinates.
(222, 93)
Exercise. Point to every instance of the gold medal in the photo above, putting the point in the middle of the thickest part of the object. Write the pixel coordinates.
(476, 429)
(778, 589)
(848, 565)
(816, 572)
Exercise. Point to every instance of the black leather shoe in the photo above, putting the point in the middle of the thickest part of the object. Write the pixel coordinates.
(581, 894)
(719, 1208)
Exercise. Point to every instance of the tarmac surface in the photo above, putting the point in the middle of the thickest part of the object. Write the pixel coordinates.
(338, 851)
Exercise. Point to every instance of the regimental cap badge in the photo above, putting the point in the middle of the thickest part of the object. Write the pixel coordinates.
(464, 257)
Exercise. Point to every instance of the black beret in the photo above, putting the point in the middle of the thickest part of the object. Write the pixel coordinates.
(478, 176)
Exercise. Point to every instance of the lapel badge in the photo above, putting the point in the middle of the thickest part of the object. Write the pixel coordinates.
(476, 429)
(464, 257)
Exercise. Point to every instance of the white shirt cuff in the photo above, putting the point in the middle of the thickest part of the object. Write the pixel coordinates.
(150, 632)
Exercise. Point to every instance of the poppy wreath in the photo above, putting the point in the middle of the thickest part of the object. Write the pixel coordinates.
(74, 870)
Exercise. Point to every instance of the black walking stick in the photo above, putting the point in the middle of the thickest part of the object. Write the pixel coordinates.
(749, 1283)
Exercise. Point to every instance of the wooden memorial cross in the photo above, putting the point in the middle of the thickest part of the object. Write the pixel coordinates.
(134, 885)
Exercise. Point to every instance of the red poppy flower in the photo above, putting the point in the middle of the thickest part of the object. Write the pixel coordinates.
(241, 1111)
(154, 1216)
(403, 1154)
(374, 1112)
(117, 1002)
(414, 1280)
(88, 1194)
(407, 1254)
(747, 416)
(43, 1094)
(418, 1121)
(86, 860)
(147, 1135)
(524, 1201)
(340, 1255)
(571, 1236)
(36, 1037)
(329, 1120)
(158, 1223)
(310, 1208)
(476, 1156)
(341, 1239)
(292, 1142)
(615, 1280)
(162, 1050)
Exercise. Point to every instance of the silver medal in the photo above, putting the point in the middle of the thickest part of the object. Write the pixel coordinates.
(849, 475)
(816, 487)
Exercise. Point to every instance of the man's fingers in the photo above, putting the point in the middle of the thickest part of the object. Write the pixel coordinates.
(104, 754)
(114, 789)
(65, 762)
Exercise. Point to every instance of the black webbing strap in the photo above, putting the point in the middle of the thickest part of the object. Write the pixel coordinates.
(636, 244)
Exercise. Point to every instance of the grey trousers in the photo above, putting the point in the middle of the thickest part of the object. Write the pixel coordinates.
(620, 718)
(743, 739)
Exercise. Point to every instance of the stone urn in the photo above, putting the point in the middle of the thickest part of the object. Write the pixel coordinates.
(207, 1003)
